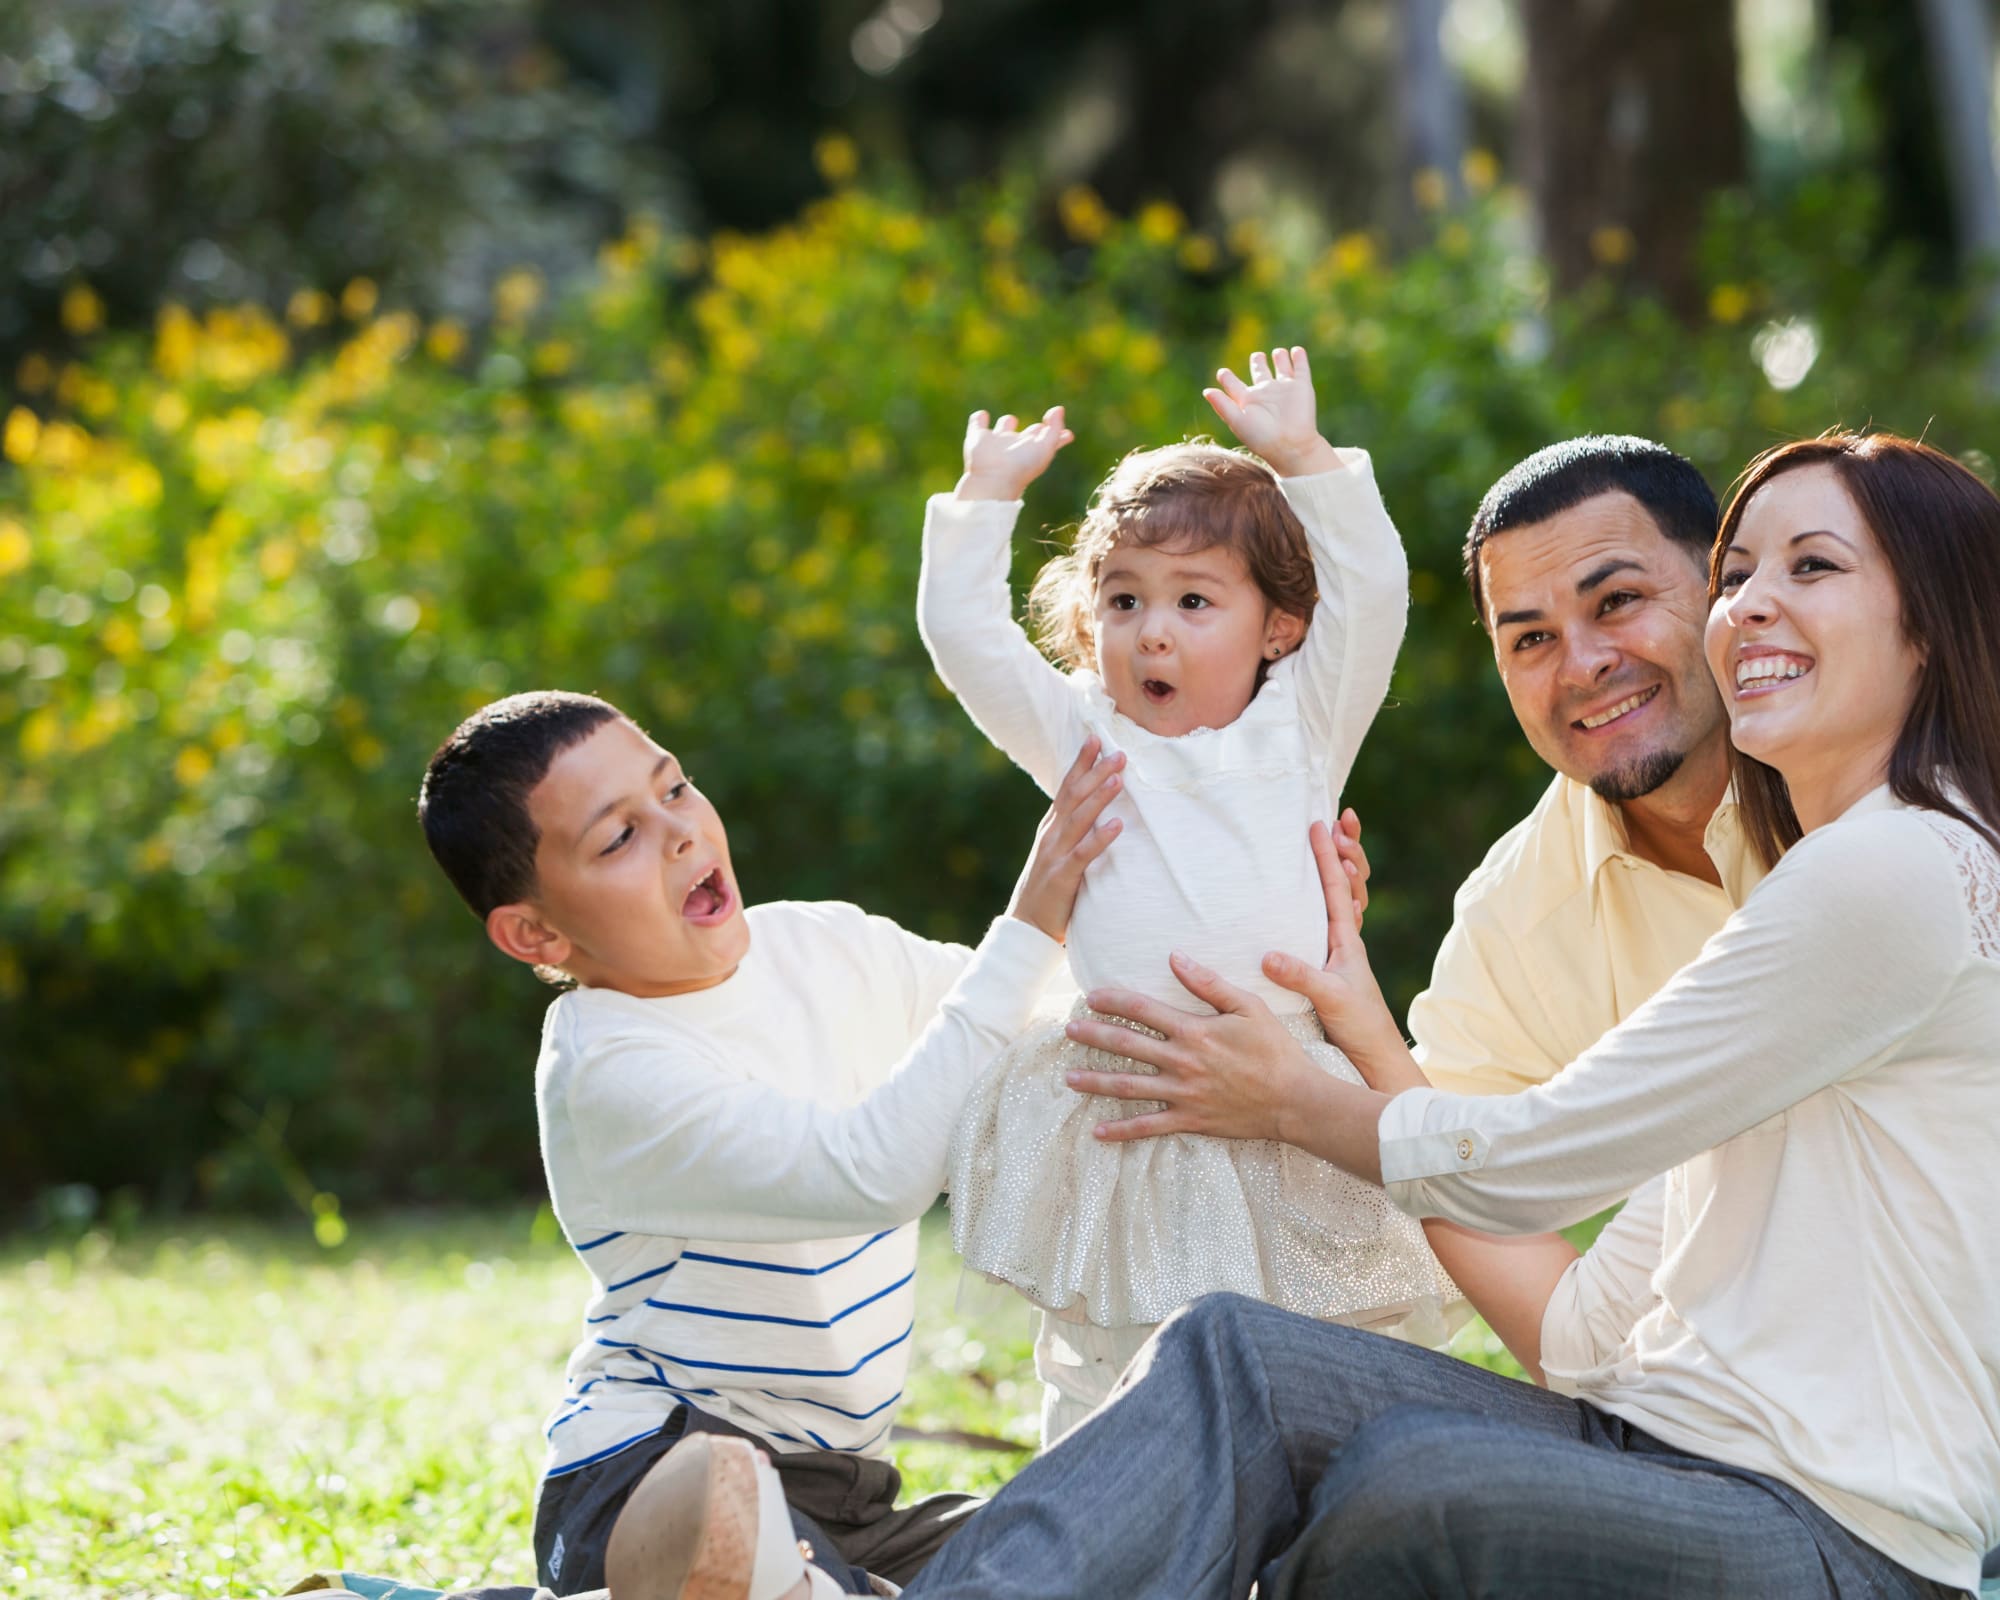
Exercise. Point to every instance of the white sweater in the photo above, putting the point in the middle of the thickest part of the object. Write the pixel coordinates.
(1213, 859)
(740, 1169)
(1806, 1281)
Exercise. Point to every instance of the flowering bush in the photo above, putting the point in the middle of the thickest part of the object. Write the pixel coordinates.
(254, 568)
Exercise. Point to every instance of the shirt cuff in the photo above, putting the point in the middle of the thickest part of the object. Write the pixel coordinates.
(1003, 982)
(1422, 1138)
(948, 512)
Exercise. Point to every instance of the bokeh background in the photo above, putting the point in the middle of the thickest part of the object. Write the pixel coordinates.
(360, 363)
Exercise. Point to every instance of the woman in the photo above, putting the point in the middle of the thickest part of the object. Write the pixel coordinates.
(1778, 1371)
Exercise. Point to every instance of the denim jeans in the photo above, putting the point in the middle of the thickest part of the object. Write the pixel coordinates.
(1246, 1444)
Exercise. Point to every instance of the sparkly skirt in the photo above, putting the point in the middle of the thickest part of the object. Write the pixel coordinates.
(1124, 1234)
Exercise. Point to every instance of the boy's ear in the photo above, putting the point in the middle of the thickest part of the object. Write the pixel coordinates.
(518, 930)
(1283, 631)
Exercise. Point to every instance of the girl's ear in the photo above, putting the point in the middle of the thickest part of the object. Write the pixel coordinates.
(1282, 632)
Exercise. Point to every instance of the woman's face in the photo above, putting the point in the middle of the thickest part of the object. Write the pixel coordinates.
(1806, 642)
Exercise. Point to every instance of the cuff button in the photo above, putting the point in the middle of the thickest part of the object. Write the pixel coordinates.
(1465, 1149)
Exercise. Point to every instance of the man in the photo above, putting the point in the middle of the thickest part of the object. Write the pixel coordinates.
(1588, 568)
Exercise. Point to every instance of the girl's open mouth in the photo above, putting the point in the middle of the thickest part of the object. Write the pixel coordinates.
(1156, 692)
(709, 901)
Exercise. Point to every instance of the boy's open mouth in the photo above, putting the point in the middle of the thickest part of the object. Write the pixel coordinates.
(1156, 692)
(709, 901)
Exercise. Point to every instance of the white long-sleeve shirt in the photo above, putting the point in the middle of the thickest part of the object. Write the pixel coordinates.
(741, 1170)
(1804, 1282)
(1213, 858)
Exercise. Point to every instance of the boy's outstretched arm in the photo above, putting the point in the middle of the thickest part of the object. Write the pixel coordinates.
(687, 1150)
(1349, 653)
(965, 609)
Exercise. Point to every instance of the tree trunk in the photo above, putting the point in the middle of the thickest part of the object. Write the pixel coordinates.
(1630, 121)
(1432, 106)
(1961, 56)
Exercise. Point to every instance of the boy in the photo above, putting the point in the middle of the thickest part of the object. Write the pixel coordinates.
(730, 1144)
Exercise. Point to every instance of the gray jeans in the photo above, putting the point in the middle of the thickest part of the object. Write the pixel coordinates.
(1247, 1444)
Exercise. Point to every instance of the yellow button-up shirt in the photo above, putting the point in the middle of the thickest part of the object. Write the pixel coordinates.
(1560, 935)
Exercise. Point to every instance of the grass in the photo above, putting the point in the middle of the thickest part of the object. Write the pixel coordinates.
(218, 1409)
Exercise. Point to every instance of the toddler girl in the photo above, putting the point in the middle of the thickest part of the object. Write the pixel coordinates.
(1236, 659)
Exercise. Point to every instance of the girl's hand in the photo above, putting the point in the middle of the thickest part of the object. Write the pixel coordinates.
(1233, 1075)
(1002, 460)
(1069, 839)
(1275, 414)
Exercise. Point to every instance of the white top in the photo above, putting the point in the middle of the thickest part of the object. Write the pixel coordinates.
(1213, 859)
(1806, 1286)
(740, 1169)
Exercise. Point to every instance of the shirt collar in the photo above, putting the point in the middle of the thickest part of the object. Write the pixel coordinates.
(1605, 839)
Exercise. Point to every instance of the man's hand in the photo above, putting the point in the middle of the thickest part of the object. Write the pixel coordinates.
(1069, 839)
(1347, 844)
(1344, 992)
(1002, 460)
(1274, 414)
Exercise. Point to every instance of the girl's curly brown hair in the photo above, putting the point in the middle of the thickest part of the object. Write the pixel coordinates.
(1186, 497)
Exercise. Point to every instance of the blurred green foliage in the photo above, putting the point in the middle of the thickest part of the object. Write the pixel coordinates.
(252, 570)
(216, 150)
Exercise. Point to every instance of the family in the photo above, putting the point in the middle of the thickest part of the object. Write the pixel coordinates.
(1739, 969)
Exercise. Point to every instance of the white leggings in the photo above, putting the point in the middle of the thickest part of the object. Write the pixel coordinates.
(1078, 1363)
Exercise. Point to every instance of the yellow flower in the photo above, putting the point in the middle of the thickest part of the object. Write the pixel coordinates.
(516, 296)
(1001, 231)
(1198, 253)
(1480, 170)
(41, 734)
(1430, 188)
(176, 339)
(20, 436)
(554, 357)
(446, 340)
(1084, 218)
(1351, 255)
(836, 157)
(1612, 245)
(82, 310)
(308, 308)
(1160, 222)
(192, 765)
(358, 299)
(170, 412)
(15, 547)
(34, 374)
(1729, 302)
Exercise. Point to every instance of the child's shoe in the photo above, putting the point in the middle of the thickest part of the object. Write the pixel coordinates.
(709, 1523)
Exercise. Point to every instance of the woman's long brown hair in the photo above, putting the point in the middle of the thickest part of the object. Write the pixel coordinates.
(1939, 526)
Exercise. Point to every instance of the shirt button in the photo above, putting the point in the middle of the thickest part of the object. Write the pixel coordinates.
(1465, 1149)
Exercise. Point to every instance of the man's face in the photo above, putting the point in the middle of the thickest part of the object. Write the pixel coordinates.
(633, 869)
(1596, 618)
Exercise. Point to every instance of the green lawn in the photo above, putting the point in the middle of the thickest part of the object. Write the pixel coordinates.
(220, 1408)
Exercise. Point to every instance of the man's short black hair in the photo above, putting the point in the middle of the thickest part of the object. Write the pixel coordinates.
(474, 802)
(1563, 476)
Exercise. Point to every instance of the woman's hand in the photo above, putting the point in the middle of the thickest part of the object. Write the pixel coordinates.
(1232, 1075)
(1002, 460)
(1069, 839)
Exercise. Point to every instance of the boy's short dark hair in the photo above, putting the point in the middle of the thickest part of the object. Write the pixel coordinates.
(1563, 476)
(474, 802)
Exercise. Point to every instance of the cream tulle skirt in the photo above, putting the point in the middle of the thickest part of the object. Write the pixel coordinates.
(1125, 1234)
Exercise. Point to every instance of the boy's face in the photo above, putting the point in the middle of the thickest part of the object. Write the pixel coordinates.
(633, 874)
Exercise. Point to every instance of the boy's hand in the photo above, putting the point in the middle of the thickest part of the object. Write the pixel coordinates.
(1274, 413)
(1001, 461)
(1069, 839)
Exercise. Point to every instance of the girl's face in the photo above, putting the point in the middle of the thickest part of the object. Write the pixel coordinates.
(1180, 634)
(1806, 642)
